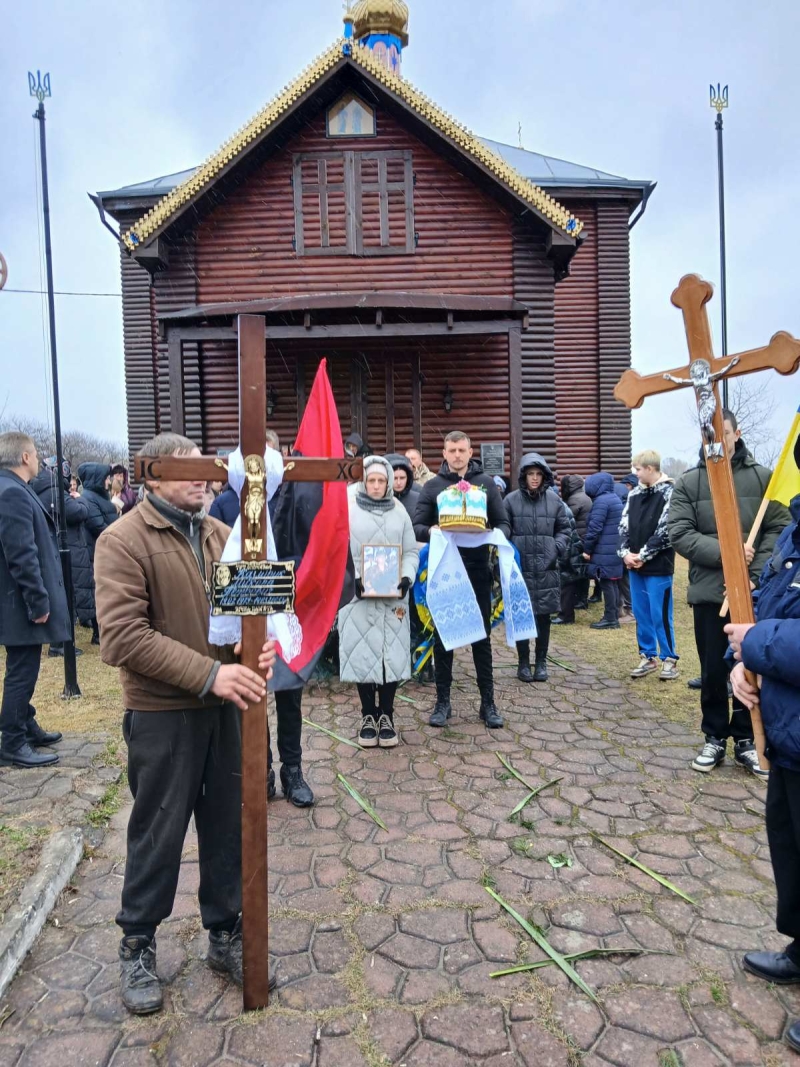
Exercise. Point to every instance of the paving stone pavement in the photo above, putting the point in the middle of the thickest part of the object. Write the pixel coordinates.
(385, 942)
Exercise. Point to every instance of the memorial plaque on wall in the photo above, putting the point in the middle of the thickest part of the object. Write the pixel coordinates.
(493, 458)
(260, 587)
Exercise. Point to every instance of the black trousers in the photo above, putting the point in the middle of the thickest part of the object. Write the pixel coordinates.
(569, 598)
(385, 698)
(288, 707)
(542, 641)
(783, 833)
(183, 763)
(16, 711)
(712, 644)
(625, 593)
(481, 579)
(611, 599)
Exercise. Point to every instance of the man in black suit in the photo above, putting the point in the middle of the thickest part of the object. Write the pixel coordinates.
(34, 603)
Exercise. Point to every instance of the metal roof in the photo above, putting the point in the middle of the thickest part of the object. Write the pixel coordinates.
(541, 169)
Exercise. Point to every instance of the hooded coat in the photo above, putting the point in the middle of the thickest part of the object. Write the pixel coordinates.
(357, 440)
(770, 648)
(541, 532)
(576, 499)
(602, 531)
(624, 486)
(95, 495)
(375, 634)
(77, 513)
(126, 495)
(693, 525)
(410, 495)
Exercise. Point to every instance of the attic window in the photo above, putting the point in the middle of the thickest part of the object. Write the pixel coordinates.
(351, 117)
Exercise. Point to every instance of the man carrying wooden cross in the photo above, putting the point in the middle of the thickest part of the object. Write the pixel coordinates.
(182, 721)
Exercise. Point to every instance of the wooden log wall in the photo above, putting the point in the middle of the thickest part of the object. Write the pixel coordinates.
(138, 333)
(614, 332)
(534, 286)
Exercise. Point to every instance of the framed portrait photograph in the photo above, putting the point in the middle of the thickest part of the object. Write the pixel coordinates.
(380, 570)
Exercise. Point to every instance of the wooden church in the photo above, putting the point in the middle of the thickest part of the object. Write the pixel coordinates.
(452, 282)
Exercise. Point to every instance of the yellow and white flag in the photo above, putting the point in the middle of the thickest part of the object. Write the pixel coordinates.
(784, 484)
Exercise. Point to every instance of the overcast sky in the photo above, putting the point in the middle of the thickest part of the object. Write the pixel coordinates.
(143, 88)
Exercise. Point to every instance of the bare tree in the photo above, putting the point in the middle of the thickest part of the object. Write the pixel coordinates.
(674, 468)
(78, 446)
(754, 404)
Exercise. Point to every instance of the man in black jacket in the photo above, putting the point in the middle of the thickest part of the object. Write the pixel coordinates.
(34, 602)
(459, 464)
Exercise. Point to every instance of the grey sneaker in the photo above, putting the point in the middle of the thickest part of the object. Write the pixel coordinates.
(647, 664)
(225, 954)
(669, 671)
(710, 756)
(139, 985)
(744, 752)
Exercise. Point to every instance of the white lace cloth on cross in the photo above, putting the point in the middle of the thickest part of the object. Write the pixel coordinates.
(283, 628)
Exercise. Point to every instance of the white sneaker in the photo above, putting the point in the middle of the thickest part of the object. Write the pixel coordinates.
(744, 752)
(647, 664)
(669, 671)
(710, 756)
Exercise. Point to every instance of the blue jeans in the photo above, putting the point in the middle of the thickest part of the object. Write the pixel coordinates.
(651, 596)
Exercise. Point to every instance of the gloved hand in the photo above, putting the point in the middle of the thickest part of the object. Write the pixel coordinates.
(359, 589)
(404, 586)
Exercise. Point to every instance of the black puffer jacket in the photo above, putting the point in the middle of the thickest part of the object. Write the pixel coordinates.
(95, 495)
(427, 510)
(579, 503)
(77, 538)
(410, 495)
(540, 530)
(573, 567)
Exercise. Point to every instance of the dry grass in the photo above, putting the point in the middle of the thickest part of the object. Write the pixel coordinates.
(616, 652)
(99, 709)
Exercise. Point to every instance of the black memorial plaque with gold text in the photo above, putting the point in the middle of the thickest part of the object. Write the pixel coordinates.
(258, 587)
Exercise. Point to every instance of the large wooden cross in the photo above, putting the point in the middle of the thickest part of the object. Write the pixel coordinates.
(781, 354)
(252, 440)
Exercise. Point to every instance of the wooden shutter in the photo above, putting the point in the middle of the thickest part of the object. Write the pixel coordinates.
(384, 200)
(323, 216)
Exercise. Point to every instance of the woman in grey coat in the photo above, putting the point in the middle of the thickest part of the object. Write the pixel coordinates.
(374, 632)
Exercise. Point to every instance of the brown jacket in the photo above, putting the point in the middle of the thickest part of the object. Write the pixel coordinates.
(153, 610)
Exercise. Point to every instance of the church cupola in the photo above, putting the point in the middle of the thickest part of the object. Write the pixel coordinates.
(381, 25)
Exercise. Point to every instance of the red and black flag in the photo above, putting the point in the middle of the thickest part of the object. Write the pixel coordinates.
(311, 526)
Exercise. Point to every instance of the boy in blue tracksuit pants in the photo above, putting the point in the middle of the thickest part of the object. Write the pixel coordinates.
(771, 649)
(646, 552)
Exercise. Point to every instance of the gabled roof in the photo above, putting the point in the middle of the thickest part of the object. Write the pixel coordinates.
(341, 53)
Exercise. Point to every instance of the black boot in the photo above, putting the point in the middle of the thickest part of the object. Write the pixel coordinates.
(40, 737)
(24, 756)
(225, 954)
(489, 713)
(295, 788)
(271, 790)
(95, 632)
(524, 669)
(540, 669)
(139, 985)
(443, 709)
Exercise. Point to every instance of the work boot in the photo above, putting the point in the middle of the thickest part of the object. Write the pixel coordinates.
(489, 713)
(295, 788)
(524, 669)
(24, 756)
(139, 985)
(42, 738)
(442, 711)
(271, 790)
(540, 669)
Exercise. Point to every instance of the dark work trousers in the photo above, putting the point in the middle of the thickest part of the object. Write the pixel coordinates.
(22, 674)
(288, 708)
(625, 603)
(581, 591)
(611, 598)
(481, 580)
(182, 763)
(385, 698)
(712, 644)
(783, 833)
(542, 642)
(569, 597)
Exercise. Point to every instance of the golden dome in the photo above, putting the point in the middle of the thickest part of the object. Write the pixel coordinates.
(381, 16)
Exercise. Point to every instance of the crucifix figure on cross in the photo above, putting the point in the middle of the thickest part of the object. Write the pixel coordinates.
(781, 354)
(252, 438)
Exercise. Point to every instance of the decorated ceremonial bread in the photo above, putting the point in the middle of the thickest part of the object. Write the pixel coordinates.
(463, 507)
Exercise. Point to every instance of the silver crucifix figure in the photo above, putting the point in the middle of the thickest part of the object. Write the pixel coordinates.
(703, 380)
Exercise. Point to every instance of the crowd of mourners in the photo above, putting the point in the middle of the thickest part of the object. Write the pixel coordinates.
(141, 586)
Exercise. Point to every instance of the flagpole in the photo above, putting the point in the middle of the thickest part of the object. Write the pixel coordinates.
(40, 88)
(719, 101)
